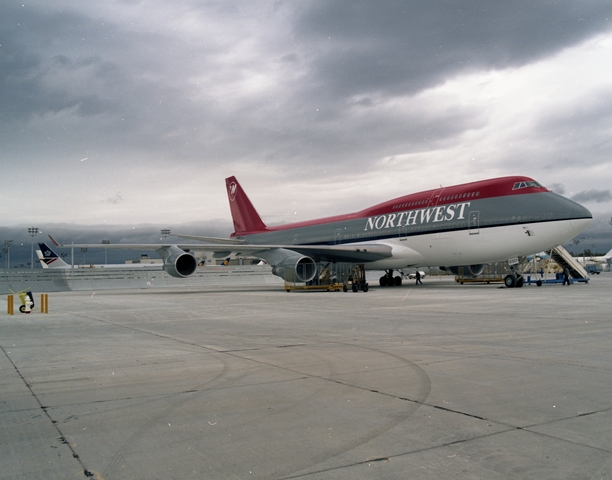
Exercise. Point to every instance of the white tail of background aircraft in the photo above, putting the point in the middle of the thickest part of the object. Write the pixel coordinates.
(48, 258)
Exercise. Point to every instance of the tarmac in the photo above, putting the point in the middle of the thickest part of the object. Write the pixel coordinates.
(436, 381)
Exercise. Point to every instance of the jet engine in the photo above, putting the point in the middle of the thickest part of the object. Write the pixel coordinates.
(177, 262)
(296, 268)
(476, 269)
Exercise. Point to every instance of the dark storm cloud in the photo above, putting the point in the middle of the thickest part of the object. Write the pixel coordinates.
(165, 99)
(404, 46)
(345, 60)
(28, 60)
(55, 59)
(133, 82)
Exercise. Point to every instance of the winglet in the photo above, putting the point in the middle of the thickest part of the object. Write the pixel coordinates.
(54, 241)
(245, 217)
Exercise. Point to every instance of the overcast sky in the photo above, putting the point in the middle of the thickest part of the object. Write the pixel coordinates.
(131, 112)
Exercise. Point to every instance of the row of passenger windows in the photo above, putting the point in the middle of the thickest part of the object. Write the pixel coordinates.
(410, 204)
(461, 195)
(442, 199)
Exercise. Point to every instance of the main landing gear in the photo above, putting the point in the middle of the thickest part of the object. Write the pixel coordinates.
(511, 281)
(388, 280)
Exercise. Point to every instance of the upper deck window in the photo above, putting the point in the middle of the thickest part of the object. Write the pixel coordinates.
(518, 185)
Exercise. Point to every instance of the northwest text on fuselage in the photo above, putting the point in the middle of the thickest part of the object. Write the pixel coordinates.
(442, 213)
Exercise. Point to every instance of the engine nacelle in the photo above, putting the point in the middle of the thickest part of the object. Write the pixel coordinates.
(296, 268)
(474, 270)
(177, 262)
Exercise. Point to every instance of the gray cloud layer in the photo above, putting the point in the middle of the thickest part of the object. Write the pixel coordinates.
(124, 108)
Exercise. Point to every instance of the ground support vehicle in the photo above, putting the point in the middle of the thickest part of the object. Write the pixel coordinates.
(551, 281)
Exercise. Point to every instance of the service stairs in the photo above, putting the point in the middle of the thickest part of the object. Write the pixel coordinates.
(564, 259)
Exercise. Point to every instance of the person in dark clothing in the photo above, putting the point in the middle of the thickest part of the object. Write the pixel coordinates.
(418, 278)
(566, 275)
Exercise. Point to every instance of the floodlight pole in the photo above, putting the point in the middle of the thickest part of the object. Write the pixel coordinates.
(32, 232)
(7, 250)
(105, 242)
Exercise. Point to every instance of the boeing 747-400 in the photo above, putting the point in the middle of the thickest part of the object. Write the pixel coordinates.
(465, 225)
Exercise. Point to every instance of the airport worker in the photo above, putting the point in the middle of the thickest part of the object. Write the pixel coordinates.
(566, 274)
(418, 278)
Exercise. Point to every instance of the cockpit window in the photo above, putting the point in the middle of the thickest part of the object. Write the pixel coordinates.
(518, 185)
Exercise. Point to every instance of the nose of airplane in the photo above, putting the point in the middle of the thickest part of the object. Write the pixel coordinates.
(580, 216)
(580, 224)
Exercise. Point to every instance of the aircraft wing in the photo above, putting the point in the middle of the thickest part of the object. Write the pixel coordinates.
(136, 246)
(215, 240)
(329, 253)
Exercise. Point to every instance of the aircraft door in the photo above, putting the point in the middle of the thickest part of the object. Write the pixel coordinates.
(474, 225)
(435, 196)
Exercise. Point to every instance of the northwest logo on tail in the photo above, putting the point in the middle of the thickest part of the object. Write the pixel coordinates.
(232, 191)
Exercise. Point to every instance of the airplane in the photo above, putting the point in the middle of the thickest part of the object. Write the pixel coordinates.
(603, 259)
(465, 225)
(597, 263)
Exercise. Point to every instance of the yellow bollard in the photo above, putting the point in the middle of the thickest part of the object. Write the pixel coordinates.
(44, 303)
(10, 304)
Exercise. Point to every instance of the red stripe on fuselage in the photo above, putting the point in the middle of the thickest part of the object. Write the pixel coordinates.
(494, 187)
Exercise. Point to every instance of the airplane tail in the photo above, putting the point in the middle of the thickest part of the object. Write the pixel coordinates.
(48, 258)
(245, 217)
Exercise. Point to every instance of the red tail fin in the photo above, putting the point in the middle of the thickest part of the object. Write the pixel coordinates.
(246, 219)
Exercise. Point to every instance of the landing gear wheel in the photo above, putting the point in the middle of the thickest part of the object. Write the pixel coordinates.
(397, 280)
(510, 281)
(387, 280)
(365, 287)
(520, 281)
